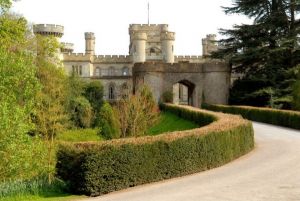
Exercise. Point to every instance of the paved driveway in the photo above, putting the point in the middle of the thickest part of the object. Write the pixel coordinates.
(269, 173)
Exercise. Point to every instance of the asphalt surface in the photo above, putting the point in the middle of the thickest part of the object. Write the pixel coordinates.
(271, 172)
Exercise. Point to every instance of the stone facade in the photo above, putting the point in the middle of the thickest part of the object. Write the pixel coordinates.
(151, 60)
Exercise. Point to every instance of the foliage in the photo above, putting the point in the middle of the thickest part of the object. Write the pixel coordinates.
(93, 91)
(21, 155)
(98, 168)
(79, 135)
(169, 122)
(137, 113)
(296, 93)
(5, 5)
(167, 97)
(109, 125)
(51, 116)
(265, 50)
(285, 118)
(82, 112)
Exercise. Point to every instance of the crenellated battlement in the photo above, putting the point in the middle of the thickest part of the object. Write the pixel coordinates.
(147, 27)
(189, 58)
(113, 58)
(49, 29)
(167, 35)
(67, 47)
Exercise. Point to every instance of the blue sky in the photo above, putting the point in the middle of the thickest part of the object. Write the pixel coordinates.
(109, 19)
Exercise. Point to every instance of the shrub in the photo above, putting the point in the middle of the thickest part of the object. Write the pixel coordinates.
(98, 168)
(285, 118)
(167, 97)
(109, 125)
(82, 112)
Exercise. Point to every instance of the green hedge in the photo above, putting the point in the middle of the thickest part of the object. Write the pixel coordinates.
(284, 118)
(99, 168)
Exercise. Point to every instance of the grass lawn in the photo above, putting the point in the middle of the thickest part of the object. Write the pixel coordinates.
(79, 135)
(169, 122)
(43, 198)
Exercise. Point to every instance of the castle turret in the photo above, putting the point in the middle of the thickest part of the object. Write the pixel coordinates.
(138, 49)
(167, 39)
(67, 47)
(90, 43)
(209, 44)
(50, 30)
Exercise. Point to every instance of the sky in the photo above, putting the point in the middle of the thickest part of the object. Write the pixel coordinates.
(191, 20)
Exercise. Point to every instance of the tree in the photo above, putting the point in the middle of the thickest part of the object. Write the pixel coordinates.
(51, 116)
(21, 155)
(82, 112)
(264, 50)
(108, 126)
(93, 92)
(137, 112)
(296, 93)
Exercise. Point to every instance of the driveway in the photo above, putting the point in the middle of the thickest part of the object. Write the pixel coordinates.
(271, 172)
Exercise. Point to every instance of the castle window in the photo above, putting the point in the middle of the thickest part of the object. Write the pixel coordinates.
(111, 92)
(125, 71)
(152, 50)
(111, 71)
(172, 48)
(97, 71)
(80, 70)
(134, 49)
(125, 90)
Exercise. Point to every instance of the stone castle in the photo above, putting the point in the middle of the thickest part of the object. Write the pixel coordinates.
(151, 61)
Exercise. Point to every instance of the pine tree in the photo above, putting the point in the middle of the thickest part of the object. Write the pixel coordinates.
(263, 51)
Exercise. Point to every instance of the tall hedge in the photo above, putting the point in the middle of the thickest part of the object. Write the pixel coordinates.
(290, 119)
(99, 168)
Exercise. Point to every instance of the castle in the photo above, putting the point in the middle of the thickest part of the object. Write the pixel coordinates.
(151, 60)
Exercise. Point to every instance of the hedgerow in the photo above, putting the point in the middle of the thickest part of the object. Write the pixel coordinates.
(286, 118)
(102, 167)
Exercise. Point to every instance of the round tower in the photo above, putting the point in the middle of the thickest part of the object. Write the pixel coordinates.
(167, 39)
(67, 47)
(139, 47)
(49, 30)
(90, 43)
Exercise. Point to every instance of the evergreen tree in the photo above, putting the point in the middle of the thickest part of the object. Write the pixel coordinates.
(263, 51)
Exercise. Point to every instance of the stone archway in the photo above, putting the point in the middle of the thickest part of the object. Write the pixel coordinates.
(183, 92)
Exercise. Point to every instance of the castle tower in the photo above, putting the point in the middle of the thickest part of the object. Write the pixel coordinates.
(50, 30)
(138, 48)
(209, 44)
(89, 43)
(167, 39)
(67, 47)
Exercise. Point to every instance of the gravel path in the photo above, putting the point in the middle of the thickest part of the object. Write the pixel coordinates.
(269, 173)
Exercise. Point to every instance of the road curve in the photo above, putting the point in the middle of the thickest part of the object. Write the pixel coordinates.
(271, 172)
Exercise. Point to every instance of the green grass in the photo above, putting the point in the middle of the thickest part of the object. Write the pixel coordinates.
(169, 122)
(53, 197)
(79, 135)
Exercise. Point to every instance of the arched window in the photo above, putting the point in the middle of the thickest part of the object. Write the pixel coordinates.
(152, 50)
(80, 70)
(125, 71)
(97, 71)
(111, 91)
(111, 71)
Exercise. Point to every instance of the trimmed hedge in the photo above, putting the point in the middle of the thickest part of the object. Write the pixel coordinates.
(286, 118)
(97, 168)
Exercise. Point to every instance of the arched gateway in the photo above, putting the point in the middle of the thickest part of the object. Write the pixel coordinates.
(190, 83)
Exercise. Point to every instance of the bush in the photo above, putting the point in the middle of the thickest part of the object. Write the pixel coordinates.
(167, 97)
(98, 168)
(285, 118)
(108, 125)
(82, 112)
